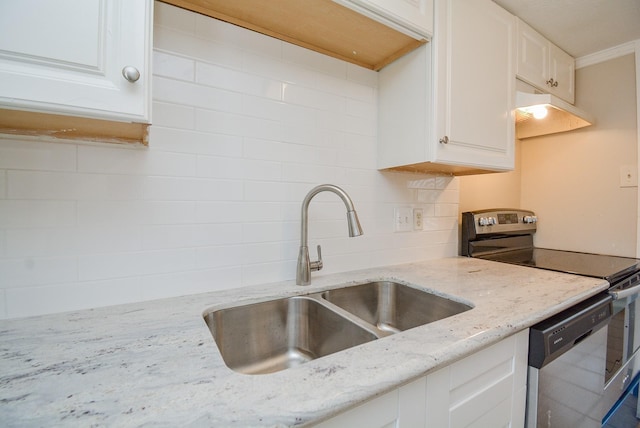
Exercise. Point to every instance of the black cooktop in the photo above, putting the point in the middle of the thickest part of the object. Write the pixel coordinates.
(610, 268)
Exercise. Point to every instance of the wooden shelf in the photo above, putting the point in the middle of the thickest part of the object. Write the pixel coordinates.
(319, 25)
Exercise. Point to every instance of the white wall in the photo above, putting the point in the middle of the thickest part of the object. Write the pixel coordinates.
(572, 180)
(243, 127)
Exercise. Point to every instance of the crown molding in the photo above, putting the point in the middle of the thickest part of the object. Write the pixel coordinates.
(607, 54)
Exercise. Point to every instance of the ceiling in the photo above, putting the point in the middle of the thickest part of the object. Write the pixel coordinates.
(580, 27)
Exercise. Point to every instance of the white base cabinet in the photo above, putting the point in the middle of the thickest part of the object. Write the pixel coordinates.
(486, 389)
(448, 106)
(67, 57)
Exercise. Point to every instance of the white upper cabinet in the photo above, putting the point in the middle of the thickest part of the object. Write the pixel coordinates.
(448, 106)
(412, 17)
(67, 57)
(543, 64)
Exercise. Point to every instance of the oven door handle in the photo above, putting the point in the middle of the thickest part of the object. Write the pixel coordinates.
(625, 292)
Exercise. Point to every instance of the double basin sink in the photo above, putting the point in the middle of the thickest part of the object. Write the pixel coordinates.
(275, 335)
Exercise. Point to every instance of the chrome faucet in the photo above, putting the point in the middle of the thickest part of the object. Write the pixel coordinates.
(305, 266)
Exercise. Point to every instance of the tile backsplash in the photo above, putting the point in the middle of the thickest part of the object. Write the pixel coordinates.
(243, 127)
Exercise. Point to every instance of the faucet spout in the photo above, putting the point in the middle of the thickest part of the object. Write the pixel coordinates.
(305, 265)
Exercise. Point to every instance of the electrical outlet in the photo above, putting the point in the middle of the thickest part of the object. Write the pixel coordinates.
(402, 219)
(418, 220)
(628, 176)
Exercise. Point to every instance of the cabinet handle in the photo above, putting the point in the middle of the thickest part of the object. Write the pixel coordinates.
(131, 73)
(552, 83)
(444, 140)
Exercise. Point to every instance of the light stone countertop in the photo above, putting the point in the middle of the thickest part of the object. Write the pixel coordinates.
(155, 363)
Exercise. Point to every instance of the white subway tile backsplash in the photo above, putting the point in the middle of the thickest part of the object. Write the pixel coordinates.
(268, 272)
(3, 184)
(174, 67)
(34, 155)
(232, 212)
(309, 97)
(362, 75)
(29, 271)
(116, 160)
(169, 212)
(168, 40)
(72, 186)
(174, 116)
(237, 81)
(194, 95)
(96, 240)
(218, 167)
(26, 213)
(317, 63)
(127, 264)
(217, 257)
(190, 282)
(172, 17)
(446, 210)
(3, 305)
(194, 142)
(270, 232)
(244, 127)
(218, 234)
(104, 213)
(223, 32)
(30, 242)
(71, 296)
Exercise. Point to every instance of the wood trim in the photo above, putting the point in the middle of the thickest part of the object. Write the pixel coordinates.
(19, 122)
(320, 25)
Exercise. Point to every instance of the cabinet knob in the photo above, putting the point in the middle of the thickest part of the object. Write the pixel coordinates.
(552, 83)
(131, 73)
(444, 140)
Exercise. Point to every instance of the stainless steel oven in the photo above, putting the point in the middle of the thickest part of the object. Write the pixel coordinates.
(506, 235)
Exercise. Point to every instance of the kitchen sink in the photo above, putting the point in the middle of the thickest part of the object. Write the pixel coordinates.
(278, 334)
(392, 306)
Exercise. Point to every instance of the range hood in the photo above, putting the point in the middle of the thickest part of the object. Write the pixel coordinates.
(560, 116)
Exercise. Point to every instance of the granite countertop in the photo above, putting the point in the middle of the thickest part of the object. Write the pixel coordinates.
(155, 363)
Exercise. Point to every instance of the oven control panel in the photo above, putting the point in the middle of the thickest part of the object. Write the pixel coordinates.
(501, 221)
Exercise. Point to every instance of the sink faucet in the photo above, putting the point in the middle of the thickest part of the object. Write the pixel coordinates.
(305, 266)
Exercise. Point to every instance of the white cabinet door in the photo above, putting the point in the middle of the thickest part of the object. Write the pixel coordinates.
(562, 71)
(458, 89)
(413, 15)
(533, 56)
(66, 57)
(485, 389)
(543, 64)
(381, 412)
(475, 89)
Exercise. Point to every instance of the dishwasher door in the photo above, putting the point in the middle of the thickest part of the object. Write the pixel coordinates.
(568, 392)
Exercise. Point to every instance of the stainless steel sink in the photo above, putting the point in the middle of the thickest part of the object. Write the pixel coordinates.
(278, 334)
(275, 335)
(392, 306)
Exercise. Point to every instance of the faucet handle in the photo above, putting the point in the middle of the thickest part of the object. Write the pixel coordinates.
(317, 265)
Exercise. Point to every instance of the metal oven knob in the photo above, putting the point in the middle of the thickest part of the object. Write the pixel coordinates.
(487, 221)
(529, 219)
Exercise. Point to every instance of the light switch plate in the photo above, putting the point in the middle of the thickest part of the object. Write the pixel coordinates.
(403, 219)
(628, 176)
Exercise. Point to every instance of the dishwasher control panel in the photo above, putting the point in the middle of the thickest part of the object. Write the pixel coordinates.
(553, 337)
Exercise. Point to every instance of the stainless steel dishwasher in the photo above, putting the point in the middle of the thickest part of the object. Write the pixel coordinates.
(567, 357)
